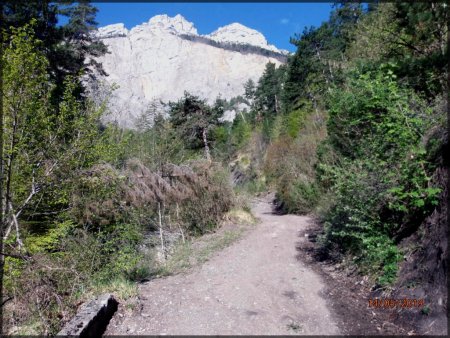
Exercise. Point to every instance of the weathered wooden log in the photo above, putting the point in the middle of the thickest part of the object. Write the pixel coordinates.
(92, 318)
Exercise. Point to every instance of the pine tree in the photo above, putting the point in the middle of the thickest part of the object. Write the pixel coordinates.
(195, 119)
(81, 43)
(423, 34)
(268, 92)
(45, 14)
(250, 89)
(66, 47)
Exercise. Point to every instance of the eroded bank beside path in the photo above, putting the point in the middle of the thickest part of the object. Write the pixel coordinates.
(255, 286)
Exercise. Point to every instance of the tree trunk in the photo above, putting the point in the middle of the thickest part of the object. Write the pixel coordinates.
(179, 225)
(9, 166)
(323, 69)
(16, 223)
(6, 200)
(161, 237)
(276, 105)
(205, 143)
(331, 71)
(243, 117)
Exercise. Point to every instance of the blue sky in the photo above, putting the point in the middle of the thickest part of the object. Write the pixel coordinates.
(276, 21)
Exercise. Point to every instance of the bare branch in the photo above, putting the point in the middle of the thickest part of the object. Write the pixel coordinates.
(16, 223)
(25, 258)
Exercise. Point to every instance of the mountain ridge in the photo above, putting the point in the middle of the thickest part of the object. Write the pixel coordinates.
(161, 59)
(232, 33)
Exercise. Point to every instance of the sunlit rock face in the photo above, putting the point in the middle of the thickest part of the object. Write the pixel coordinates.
(165, 56)
(238, 33)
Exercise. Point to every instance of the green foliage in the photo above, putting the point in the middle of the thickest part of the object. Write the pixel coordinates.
(294, 122)
(381, 184)
(297, 196)
(194, 119)
(367, 73)
(267, 103)
(96, 198)
(355, 212)
(157, 142)
(380, 119)
(423, 37)
(48, 147)
(78, 30)
(374, 115)
(240, 132)
(355, 224)
(58, 281)
(120, 246)
(267, 93)
(373, 36)
(38, 243)
(220, 135)
(291, 160)
(371, 175)
(317, 63)
(381, 253)
(27, 126)
(223, 145)
(250, 89)
(304, 67)
(413, 194)
(252, 187)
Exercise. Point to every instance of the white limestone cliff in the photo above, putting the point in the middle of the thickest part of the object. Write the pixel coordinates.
(237, 33)
(164, 57)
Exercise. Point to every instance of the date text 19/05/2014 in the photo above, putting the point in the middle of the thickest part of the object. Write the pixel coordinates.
(396, 303)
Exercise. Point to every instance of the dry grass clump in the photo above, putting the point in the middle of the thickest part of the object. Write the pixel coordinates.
(105, 195)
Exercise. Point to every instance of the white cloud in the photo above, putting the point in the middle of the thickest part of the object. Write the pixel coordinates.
(284, 21)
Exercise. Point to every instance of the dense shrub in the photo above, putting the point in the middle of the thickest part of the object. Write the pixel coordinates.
(381, 181)
(213, 197)
(290, 162)
(353, 222)
(298, 195)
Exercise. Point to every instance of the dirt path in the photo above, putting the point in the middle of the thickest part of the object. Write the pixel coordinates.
(255, 286)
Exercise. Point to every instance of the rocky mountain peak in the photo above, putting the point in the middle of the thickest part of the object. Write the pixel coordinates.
(238, 33)
(177, 24)
(110, 31)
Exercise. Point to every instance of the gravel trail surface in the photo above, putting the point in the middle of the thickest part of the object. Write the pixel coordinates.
(256, 286)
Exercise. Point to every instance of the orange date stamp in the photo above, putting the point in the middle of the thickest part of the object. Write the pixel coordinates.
(389, 303)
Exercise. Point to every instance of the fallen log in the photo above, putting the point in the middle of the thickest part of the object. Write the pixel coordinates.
(92, 318)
